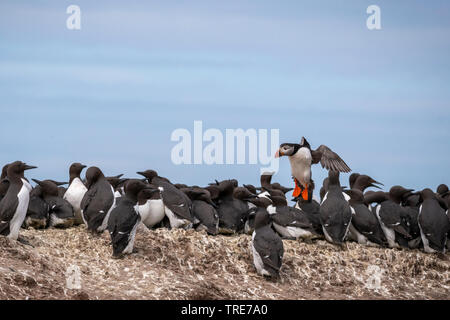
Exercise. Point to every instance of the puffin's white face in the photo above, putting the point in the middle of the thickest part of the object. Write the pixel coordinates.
(286, 149)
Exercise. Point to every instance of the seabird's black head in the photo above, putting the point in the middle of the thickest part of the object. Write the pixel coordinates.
(226, 187)
(262, 218)
(93, 174)
(396, 193)
(48, 187)
(363, 182)
(442, 189)
(352, 179)
(261, 202)
(151, 192)
(278, 201)
(149, 174)
(250, 188)
(116, 181)
(4, 171)
(133, 187)
(356, 196)
(75, 170)
(214, 191)
(287, 149)
(17, 168)
(427, 194)
(411, 199)
(279, 187)
(243, 193)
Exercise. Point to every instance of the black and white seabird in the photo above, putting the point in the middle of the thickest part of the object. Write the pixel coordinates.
(289, 222)
(410, 215)
(232, 212)
(124, 218)
(177, 205)
(364, 227)
(301, 157)
(267, 246)
(204, 209)
(433, 222)
(389, 213)
(364, 224)
(118, 184)
(76, 190)
(150, 206)
(245, 194)
(335, 212)
(38, 210)
(98, 201)
(4, 182)
(60, 212)
(14, 205)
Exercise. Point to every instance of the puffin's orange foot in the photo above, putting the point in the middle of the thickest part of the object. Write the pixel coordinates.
(297, 190)
(305, 193)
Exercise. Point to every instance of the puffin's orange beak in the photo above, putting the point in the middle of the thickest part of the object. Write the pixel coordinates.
(277, 154)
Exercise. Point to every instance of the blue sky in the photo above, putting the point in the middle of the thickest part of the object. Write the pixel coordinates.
(111, 93)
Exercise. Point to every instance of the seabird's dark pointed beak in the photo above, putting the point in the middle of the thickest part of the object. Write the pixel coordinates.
(37, 181)
(375, 186)
(27, 167)
(252, 196)
(140, 173)
(60, 183)
(375, 182)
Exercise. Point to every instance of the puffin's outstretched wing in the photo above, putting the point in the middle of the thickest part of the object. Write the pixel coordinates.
(329, 159)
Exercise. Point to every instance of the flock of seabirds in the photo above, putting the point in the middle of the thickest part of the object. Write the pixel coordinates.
(399, 218)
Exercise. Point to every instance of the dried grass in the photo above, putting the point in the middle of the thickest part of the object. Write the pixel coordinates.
(180, 264)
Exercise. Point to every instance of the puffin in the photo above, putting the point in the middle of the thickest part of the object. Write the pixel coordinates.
(301, 157)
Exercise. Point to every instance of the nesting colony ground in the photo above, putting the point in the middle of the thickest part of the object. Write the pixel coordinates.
(179, 264)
